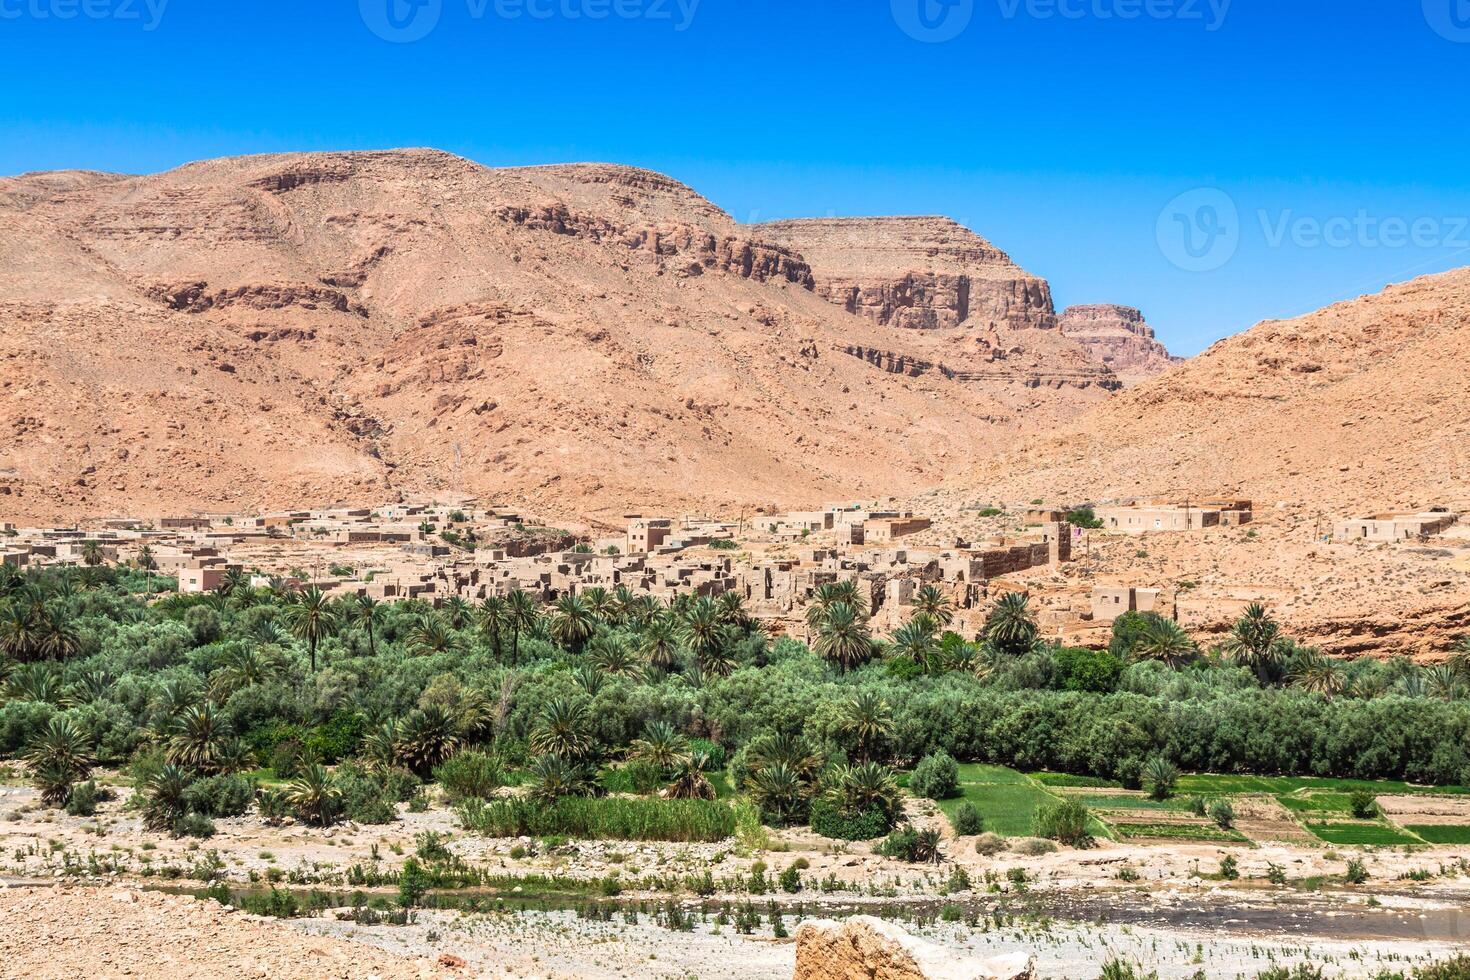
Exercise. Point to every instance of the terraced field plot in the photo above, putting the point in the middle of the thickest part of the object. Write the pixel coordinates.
(1180, 831)
(1007, 800)
(1440, 833)
(1374, 834)
(1225, 785)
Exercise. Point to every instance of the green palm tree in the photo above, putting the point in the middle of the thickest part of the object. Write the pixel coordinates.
(731, 609)
(1313, 672)
(867, 786)
(368, 613)
(311, 619)
(425, 737)
(1255, 642)
(196, 737)
(613, 655)
(92, 553)
(792, 751)
(523, 616)
(1010, 628)
(867, 722)
(433, 635)
(164, 801)
(600, 603)
(492, 620)
(59, 756)
(565, 730)
(1164, 640)
(843, 638)
(659, 643)
(915, 640)
(458, 612)
(930, 602)
(689, 781)
(552, 777)
(780, 792)
(59, 638)
(661, 746)
(706, 637)
(572, 622)
(243, 667)
(20, 637)
(315, 797)
(147, 563)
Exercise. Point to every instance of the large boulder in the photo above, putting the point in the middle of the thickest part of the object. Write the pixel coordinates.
(865, 948)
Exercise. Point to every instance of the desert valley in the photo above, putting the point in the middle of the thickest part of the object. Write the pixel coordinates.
(416, 568)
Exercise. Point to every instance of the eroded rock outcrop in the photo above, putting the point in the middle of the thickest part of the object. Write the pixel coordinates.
(917, 273)
(1118, 337)
(867, 948)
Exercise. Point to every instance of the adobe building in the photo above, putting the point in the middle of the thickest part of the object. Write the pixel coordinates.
(646, 535)
(1394, 527)
(1140, 518)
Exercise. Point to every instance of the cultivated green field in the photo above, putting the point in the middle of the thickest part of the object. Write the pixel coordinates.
(1319, 804)
(1006, 799)
(1361, 833)
(1182, 832)
(1440, 833)
(1208, 783)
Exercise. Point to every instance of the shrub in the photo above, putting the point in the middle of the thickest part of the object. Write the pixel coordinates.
(611, 818)
(1122, 970)
(829, 821)
(220, 796)
(1457, 968)
(790, 880)
(193, 825)
(1064, 821)
(84, 798)
(913, 846)
(936, 777)
(1229, 868)
(1033, 846)
(468, 774)
(1223, 814)
(1080, 669)
(967, 820)
(989, 844)
(1364, 804)
(1199, 806)
(1357, 872)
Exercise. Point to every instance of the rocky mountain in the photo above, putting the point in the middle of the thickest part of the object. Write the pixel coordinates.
(313, 328)
(1356, 407)
(932, 280)
(1118, 337)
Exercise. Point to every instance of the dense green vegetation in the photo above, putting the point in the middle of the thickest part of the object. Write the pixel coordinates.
(345, 705)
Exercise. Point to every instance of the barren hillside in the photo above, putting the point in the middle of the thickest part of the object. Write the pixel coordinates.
(1356, 407)
(312, 328)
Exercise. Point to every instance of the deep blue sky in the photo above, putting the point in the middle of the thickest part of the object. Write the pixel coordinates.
(1062, 138)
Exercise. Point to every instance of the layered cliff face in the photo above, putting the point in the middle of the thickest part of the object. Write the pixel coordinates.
(917, 273)
(933, 282)
(1118, 337)
(312, 328)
